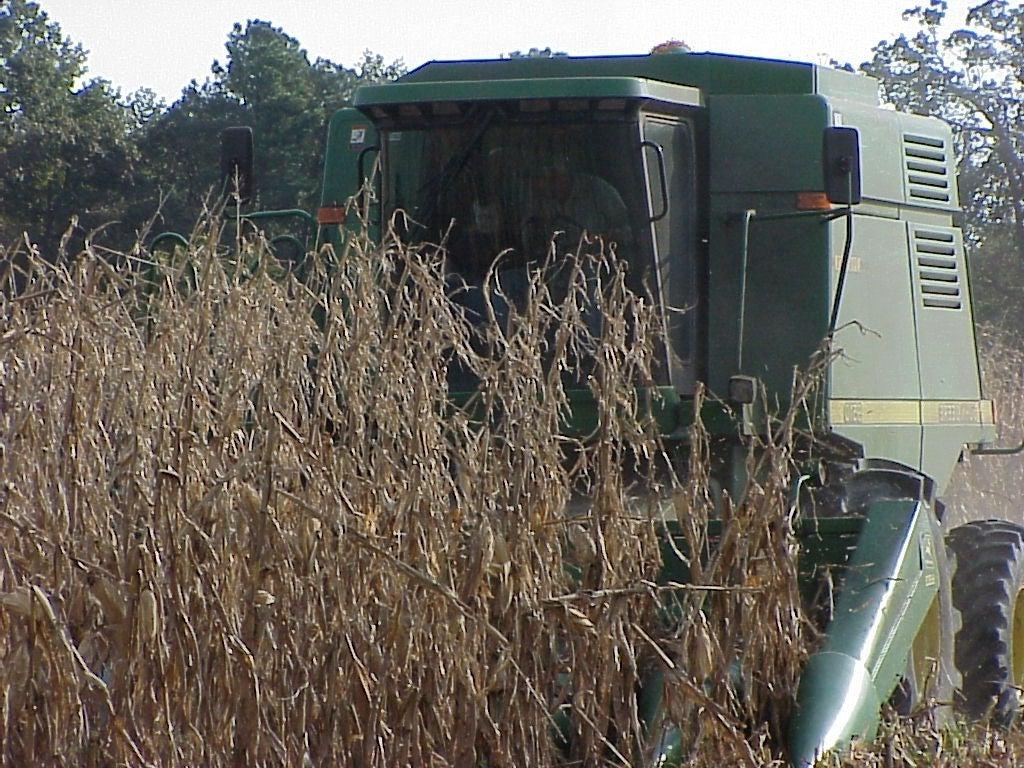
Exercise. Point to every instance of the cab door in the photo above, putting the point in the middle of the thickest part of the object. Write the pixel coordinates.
(670, 167)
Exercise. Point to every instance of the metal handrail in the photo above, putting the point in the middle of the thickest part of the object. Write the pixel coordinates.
(178, 239)
(297, 213)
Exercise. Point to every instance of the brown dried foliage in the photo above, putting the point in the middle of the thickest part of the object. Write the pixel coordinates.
(993, 486)
(242, 524)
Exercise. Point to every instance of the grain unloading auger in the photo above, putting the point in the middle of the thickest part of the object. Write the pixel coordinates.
(779, 205)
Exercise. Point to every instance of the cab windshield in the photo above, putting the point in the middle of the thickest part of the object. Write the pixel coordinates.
(493, 183)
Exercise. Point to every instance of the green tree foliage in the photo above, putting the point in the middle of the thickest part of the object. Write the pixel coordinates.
(973, 77)
(286, 100)
(536, 53)
(72, 146)
(267, 81)
(180, 149)
(66, 146)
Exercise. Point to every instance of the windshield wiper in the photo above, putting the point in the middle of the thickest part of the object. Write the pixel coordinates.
(431, 192)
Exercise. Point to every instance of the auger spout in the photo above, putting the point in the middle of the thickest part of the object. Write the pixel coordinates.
(891, 581)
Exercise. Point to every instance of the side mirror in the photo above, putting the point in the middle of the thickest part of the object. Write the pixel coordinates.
(841, 165)
(236, 160)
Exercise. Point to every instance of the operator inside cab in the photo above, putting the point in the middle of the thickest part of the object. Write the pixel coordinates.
(569, 204)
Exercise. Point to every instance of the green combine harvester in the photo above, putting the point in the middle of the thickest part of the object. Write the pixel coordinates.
(769, 206)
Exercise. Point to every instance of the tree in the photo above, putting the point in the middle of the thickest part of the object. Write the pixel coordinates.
(270, 75)
(973, 78)
(66, 148)
(268, 82)
(179, 151)
(289, 101)
(374, 69)
(536, 53)
(72, 146)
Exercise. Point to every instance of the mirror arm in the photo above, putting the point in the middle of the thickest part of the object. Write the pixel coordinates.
(847, 247)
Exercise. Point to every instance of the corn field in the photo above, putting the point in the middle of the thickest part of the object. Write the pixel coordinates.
(242, 524)
(993, 486)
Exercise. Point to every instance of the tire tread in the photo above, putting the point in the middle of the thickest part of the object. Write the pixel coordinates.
(989, 556)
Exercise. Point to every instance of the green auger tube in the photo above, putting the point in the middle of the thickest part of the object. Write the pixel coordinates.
(891, 582)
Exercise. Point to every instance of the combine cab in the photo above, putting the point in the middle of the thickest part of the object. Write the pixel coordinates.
(765, 207)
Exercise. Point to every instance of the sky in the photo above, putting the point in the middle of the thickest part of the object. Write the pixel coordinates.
(164, 44)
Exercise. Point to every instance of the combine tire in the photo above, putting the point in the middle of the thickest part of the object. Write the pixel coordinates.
(988, 589)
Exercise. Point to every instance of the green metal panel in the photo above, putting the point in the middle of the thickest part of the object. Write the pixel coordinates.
(767, 144)
(877, 342)
(350, 135)
(945, 326)
(763, 150)
(928, 162)
(906, 160)
(941, 448)
(882, 176)
(786, 307)
(947, 355)
(877, 339)
(840, 84)
(712, 73)
(897, 442)
(511, 89)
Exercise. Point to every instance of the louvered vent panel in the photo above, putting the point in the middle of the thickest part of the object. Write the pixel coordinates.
(937, 269)
(926, 163)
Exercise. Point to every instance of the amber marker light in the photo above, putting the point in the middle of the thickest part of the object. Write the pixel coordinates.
(812, 201)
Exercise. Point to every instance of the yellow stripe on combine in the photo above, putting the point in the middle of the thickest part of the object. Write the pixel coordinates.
(930, 412)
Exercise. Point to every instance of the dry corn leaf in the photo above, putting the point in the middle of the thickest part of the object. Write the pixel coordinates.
(148, 615)
(19, 601)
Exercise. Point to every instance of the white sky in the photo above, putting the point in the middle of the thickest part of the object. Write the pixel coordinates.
(163, 44)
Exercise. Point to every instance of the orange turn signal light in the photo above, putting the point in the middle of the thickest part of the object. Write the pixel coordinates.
(812, 201)
(333, 214)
